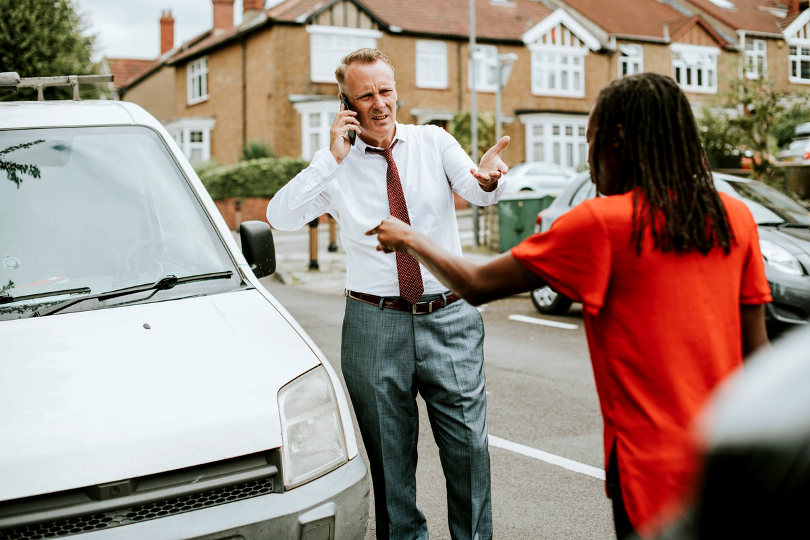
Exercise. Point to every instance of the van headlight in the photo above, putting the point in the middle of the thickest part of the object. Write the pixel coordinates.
(312, 433)
(779, 258)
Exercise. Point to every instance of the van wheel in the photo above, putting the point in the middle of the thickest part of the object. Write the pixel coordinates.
(549, 302)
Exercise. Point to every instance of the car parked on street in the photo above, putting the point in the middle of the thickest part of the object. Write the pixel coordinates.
(150, 387)
(538, 178)
(784, 237)
(798, 149)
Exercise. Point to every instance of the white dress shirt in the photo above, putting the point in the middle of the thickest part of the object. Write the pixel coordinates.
(431, 166)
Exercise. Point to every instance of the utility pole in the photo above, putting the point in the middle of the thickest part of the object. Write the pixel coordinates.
(473, 114)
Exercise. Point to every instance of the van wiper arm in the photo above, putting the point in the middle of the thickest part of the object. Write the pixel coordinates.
(8, 298)
(162, 284)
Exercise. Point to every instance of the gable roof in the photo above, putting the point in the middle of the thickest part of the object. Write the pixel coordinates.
(125, 70)
(757, 16)
(494, 20)
(683, 25)
(636, 18)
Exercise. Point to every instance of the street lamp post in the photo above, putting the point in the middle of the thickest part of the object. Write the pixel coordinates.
(505, 62)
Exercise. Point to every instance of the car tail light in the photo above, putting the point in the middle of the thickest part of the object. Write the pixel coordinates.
(806, 156)
(538, 224)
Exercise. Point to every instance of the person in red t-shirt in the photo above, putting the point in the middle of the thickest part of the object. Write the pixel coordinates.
(670, 277)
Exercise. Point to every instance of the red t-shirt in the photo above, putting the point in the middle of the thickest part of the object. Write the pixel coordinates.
(663, 330)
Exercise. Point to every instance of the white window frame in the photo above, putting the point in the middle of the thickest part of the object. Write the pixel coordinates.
(558, 71)
(431, 64)
(756, 58)
(486, 69)
(197, 80)
(329, 44)
(325, 110)
(798, 53)
(631, 59)
(691, 63)
(558, 138)
(181, 130)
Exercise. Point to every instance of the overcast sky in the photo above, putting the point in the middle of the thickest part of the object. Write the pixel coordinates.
(131, 28)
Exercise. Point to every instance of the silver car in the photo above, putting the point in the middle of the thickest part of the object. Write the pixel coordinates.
(784, 236)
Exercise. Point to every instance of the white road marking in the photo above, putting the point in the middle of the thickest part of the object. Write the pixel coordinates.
(559, 461)
(544, 322)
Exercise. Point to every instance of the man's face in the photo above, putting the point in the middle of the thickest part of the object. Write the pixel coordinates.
(372, 93)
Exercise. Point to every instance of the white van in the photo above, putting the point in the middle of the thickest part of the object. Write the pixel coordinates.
(150, 387)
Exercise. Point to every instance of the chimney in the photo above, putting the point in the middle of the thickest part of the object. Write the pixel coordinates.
(251, 9)
(223, 14)
(166, 31)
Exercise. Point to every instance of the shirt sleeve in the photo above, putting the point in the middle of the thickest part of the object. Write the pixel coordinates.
(754, 288)
(457, 165)
(574, 257)
(305, 197)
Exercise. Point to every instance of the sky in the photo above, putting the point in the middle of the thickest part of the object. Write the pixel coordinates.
(131, 28)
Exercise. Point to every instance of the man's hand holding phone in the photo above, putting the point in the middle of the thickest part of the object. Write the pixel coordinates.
(344, 130)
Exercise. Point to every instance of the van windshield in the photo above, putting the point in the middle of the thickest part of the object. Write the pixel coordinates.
(94, 209)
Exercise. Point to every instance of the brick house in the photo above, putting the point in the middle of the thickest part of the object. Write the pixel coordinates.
(271, 78)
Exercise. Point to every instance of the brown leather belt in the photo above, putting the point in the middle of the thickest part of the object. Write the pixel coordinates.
(400, 304)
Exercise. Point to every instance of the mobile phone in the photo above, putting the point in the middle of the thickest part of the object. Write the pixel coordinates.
(352, 134)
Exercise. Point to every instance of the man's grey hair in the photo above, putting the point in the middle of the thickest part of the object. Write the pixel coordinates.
(360, 56)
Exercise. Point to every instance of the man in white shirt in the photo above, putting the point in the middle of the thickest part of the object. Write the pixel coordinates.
(403, 332)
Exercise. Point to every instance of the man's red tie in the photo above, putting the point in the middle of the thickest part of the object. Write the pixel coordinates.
(410, 277)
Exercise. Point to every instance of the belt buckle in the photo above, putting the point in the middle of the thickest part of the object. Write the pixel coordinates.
(430, 309)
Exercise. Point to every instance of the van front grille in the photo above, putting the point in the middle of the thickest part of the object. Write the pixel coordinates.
(58, 515)
(125, 516)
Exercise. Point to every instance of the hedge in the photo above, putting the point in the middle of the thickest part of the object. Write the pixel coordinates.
(254, 178)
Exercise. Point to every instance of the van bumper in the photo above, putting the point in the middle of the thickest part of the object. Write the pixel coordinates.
(332, 507)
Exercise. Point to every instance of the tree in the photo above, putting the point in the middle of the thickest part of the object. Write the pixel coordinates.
(460, 128)
(747, 118)
(42, 38)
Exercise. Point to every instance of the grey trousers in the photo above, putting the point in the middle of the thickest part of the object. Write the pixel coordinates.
(387, 357)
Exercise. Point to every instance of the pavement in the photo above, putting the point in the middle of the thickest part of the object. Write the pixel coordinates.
(293, 259)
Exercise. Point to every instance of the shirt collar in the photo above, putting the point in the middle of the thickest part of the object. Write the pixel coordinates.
(401, 134)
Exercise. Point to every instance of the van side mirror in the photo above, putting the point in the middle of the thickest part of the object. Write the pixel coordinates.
(258, 247)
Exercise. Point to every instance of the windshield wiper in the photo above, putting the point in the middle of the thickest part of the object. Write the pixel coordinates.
(162, 284)
(784, 224)
(8, 298)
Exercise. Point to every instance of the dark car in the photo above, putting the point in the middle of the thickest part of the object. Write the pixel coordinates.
(784, 238)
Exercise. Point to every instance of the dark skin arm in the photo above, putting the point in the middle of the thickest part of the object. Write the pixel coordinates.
(752, 322)
(504, 276)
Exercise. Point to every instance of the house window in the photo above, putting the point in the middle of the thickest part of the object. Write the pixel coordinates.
(631, 59)
(431, 64)
(558, 63)
(316, 120)
(193, 136)
(486, 68)
(197, 74)
(799, 64)
(556, 138)
(695, 67)
(755, 58)
(329, 44)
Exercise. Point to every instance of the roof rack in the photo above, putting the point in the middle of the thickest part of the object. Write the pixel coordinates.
(11, 79)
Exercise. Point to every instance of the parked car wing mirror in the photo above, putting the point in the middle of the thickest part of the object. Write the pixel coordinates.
(258, 247)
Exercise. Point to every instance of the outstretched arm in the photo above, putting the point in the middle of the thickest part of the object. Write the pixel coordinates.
(502, 277)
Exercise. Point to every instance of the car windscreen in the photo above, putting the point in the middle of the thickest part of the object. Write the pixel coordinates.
(767, 205)
(97, 209)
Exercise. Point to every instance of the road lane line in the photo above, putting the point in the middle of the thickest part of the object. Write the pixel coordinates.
(559, 461)
(544, 322)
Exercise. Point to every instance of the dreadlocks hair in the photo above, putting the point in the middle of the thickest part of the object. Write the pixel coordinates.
(663, 162)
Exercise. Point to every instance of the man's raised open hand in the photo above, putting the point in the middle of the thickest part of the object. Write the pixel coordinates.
(492, 166)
